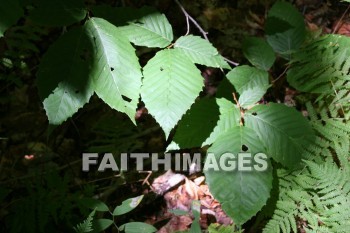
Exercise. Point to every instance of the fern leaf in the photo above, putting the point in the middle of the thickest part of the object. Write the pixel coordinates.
(322, 66)
(86, 225)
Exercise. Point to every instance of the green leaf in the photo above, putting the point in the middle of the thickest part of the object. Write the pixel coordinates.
(178, 212)
(63, 76)
(120, 16)
(196, 209)
(152, 30)
(101, 224)
(127, 205)
(200, 51)
(241, 193)
(217, 228)
(285, 28)
(195, 227)
(116, 72)
(246, 77)
(94, 204)
(138, 227)
(258, 52)
(250, 96)
(196, 125)
(170, 86)
(58, 12)
(283, 130)
(10, 12)
(229, 117)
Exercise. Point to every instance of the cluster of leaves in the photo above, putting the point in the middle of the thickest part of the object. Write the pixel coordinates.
(99, 225)
(275, 129)
(314, 199)
(97, 57)
(104, 62)
(318, 195)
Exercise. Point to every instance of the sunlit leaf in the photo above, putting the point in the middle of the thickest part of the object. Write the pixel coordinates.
(127, 205)
(170, 86)
(138, 227)
(116, 72)
(247, 77)
(200, 51)
(283, 131)
(241, 193)
(152, 30)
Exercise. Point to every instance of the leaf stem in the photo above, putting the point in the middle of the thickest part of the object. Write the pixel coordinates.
(240, 109)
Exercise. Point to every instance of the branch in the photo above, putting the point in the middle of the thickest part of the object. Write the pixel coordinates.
(188, 17)
(341, 18)
(204, 33)
(231, 62)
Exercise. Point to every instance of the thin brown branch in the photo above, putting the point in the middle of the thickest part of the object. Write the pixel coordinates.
(281, 75)
(231, 62)
(240, 109)
(204, 33)
(188, 17)
(339, 21)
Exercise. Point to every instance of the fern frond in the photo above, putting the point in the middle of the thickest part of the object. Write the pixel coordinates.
(317, 197)
(283, 219)
(86, 225)
(323, 67)
(342, 151)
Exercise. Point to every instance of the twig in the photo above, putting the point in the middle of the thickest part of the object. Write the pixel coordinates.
(204, 33)
(231, 62)
(145, 181)
(240, 109)
(285, 70)
(235, 99)
(188, 25)
(188, 17)
(341, 18)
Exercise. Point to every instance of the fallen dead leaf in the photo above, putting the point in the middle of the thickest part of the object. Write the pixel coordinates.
(179, 195)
